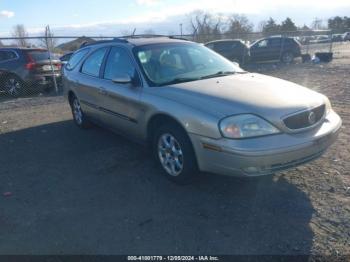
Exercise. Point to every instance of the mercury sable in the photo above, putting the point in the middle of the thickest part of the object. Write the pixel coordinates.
(197, 110)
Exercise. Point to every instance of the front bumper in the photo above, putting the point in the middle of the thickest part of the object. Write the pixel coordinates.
(265, 155)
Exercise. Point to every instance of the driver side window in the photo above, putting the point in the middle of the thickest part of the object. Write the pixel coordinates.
(93, 63)
(263, 43)
(118, 63)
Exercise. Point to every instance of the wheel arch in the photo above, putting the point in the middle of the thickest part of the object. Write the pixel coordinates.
(6, 74)
(158, 120)
(70, 96)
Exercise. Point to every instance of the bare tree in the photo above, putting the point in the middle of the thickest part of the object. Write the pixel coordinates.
(48, 41)
(126, 32)
(149, 32)
(317, 24)
(204, 26)
(20, 32)
(262, 25)
(239, 25)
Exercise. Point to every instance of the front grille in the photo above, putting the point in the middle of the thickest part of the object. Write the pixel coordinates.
(305, 119)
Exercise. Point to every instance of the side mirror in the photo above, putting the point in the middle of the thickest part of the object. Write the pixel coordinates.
(122, 79)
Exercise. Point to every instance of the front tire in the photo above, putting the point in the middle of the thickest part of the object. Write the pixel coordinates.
(173, 151)
(78, 115)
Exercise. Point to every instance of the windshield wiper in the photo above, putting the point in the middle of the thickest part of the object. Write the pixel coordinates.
(178, 80)
(220, 73)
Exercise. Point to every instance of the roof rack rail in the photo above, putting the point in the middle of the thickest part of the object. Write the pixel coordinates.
(143, 36)
(151, 36)
(116, 39)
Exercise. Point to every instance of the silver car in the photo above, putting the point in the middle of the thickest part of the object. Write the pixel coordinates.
(197, 110)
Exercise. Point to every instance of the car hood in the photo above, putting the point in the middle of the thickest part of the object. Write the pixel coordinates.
(269, 97)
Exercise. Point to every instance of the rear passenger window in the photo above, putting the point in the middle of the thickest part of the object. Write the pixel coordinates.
(93, 63)
(76, 58)
(118, 63)
(275, 42)
(7, 55)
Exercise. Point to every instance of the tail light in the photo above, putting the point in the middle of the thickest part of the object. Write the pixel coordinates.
(31, 63)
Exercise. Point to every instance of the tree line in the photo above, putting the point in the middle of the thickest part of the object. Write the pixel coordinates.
(207, 26)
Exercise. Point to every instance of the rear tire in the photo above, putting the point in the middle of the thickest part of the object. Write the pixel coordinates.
(173, 151)
(78, 115)
(14, 86)
(287, 57)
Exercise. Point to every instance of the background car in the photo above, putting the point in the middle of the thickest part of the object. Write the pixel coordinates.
(233, 49)
(65, 58)
(321, 39)
(337, 38)
(346, 36)
(25, 69)
(275, 48)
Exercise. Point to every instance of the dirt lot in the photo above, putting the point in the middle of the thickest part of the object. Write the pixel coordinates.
(64, 190)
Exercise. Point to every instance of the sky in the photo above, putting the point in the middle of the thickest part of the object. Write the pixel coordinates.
(111, 17)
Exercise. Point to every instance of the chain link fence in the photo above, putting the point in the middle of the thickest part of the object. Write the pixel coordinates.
(32, 66)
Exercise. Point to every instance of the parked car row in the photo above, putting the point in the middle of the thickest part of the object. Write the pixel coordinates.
(318, 39)
(23, 70)
(280, 48)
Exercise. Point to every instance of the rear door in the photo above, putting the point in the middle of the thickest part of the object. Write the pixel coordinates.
(120, 103)
(88, 84)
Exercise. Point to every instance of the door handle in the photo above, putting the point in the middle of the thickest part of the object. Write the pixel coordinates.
(102, 91)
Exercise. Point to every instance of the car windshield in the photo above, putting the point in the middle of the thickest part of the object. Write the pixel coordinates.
(165, 64)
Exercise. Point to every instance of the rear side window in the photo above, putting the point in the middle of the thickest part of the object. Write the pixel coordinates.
(275, 42)
(225, 46)
(76, 58)
(93, 63)
(118, 63)
(211, 45)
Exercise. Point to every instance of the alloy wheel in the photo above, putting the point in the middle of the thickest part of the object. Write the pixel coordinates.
(13, 87)
(78, 114)
(170, 154)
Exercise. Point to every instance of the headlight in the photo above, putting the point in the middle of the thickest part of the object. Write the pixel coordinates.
(246, 125)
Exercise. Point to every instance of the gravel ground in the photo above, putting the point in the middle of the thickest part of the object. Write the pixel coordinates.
(64, 190)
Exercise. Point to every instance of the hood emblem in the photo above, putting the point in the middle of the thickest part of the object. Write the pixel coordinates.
(312, 118)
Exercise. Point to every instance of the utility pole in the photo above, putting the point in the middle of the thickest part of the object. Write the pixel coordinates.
(181, 30)
(48, 45)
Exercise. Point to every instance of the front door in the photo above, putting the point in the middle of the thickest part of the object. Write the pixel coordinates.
(120, 102)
